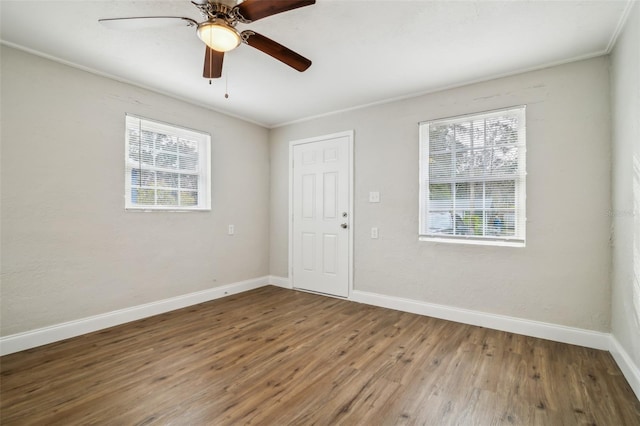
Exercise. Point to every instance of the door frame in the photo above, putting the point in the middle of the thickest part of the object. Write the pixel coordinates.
(349, 134)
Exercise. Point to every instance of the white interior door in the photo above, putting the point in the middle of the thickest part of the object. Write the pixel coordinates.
(321, 214)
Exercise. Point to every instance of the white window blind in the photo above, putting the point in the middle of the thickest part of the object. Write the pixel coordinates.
(472, 178)
(167, 167)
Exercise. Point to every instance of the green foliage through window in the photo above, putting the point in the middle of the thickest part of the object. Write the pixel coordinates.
(472, 176)
(167, 166)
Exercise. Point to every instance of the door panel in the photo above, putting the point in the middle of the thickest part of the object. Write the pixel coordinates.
(308, 251)
(308, 196)
(320, 207)
(330, 202)
(330, 254)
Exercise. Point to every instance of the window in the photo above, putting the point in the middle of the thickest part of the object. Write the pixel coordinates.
(472, 178)
(167, 167)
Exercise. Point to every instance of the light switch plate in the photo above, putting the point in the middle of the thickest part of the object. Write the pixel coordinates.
(232, 229)
(374, 197)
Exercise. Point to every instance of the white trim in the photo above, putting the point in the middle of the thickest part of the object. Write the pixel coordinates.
(486, 78)
(352, 196)
(543, 330)
(131, 82)
(350, 135)
(437, 89)
(290, 217)
(427, 208)
(630, 371)
(478, 242)
(571, 335)
(280, 281)
(42, 336)
(202, 170)
(621, 24)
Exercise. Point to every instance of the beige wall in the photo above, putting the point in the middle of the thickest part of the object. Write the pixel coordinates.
(69, 250)
(561, 277)
(625, 103)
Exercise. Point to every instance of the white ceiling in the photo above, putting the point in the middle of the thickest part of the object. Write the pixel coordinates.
(363, 52)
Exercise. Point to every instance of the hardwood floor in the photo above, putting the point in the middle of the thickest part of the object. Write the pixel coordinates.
(277, 357)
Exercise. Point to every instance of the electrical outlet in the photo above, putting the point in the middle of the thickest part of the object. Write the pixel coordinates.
(232, 229)
(374, 233)
(374, 197)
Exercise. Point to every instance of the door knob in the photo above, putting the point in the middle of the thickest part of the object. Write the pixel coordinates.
(343, 225)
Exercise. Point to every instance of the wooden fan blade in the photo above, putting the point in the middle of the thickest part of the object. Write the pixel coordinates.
(252, 10)
(276, 50)
(142, 22)
(212, 63)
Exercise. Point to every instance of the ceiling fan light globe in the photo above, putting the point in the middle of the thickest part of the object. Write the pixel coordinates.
(218, 35)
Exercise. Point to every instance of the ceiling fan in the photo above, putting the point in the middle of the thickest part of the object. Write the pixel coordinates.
(218, 30)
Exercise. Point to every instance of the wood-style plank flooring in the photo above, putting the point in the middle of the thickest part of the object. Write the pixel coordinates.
(279, 357)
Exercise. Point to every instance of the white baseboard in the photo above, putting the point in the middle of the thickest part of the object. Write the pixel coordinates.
(280, 281)
(558, 333)
(629, 368)
(42, 336)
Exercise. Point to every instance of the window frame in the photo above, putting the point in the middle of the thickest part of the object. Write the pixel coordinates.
(424, 208)
(203, 170)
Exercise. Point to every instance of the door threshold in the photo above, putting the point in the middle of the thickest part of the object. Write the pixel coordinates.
(319, 293)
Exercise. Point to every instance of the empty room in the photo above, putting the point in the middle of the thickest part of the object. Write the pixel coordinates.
(297, 212)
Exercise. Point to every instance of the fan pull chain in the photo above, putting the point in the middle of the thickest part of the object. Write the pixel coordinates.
(226, 85)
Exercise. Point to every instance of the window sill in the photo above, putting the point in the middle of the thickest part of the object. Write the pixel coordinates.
(472, 242)
(164, 209)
